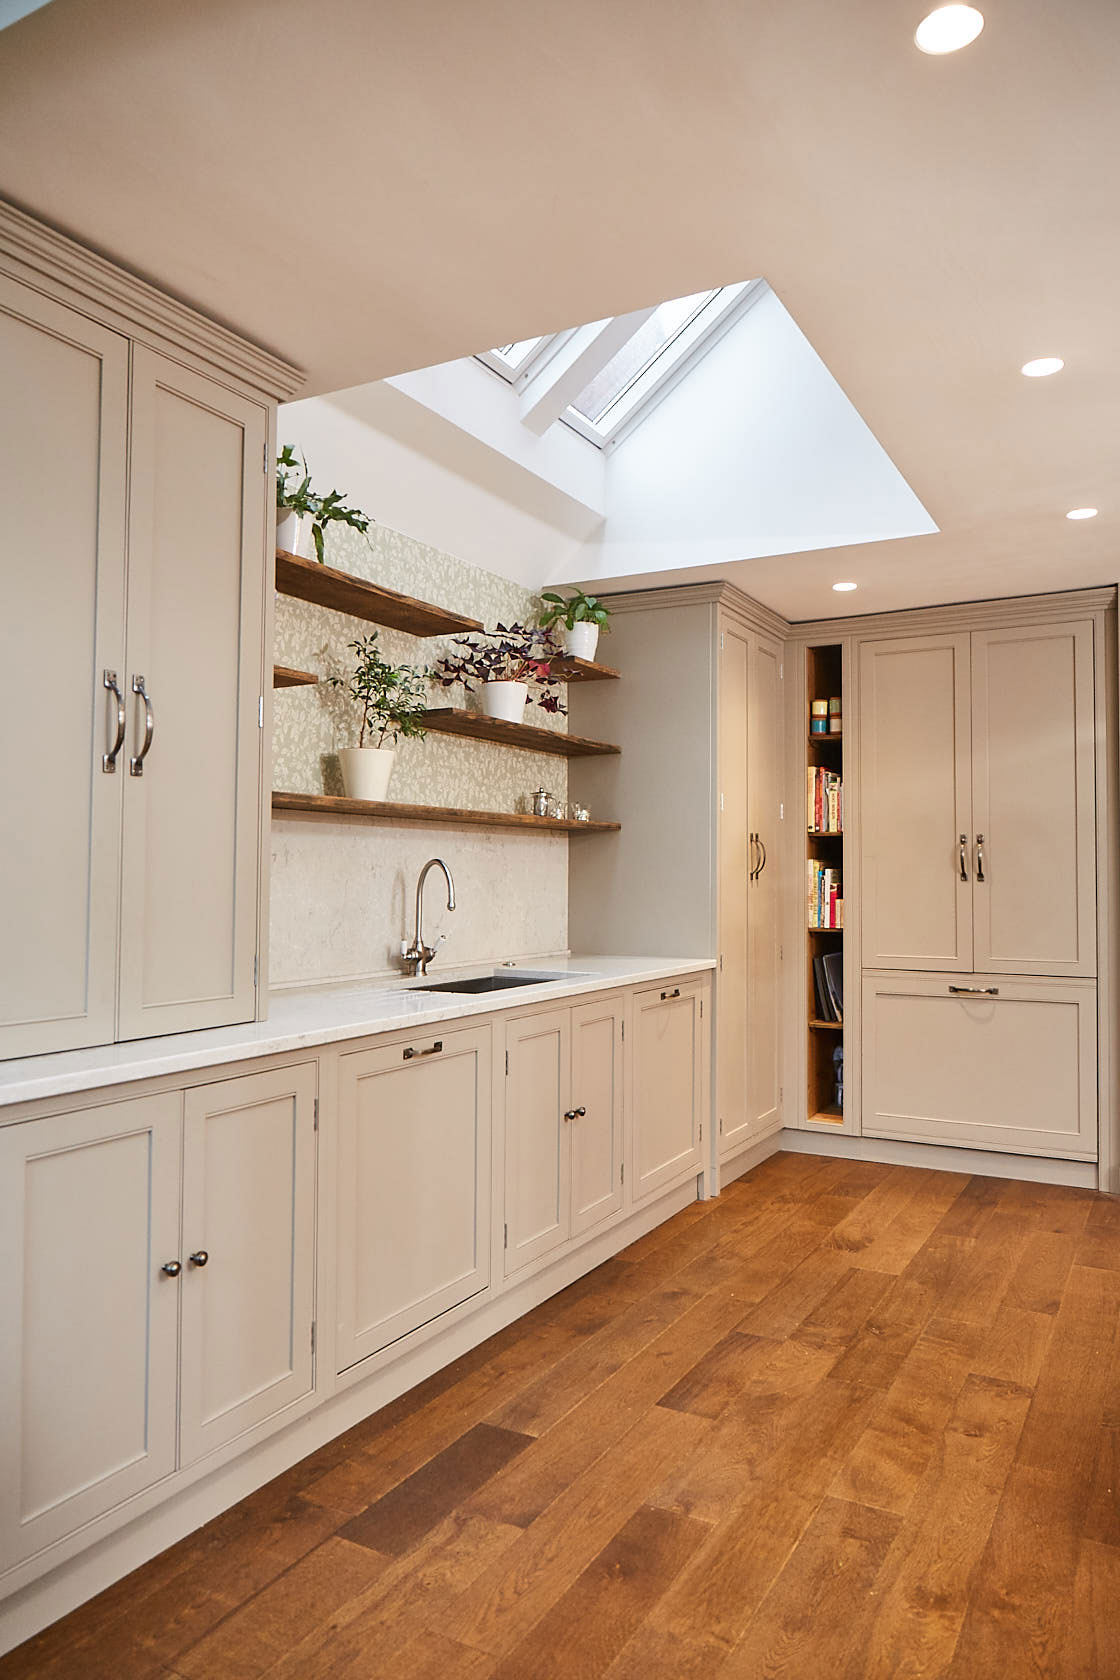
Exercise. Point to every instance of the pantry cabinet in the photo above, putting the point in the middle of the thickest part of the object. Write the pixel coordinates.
(135, 588)
(563, 1126)
(413, 1197)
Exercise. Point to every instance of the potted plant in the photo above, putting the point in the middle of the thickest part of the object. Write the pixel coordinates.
(503, 665)
(581, 618)
(392, 700)
(302, 514)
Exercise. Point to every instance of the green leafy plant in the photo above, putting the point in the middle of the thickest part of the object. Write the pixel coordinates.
(392, 698)
(575, 609)
(295, 494)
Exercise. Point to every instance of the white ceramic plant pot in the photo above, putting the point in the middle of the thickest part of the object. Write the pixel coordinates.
(366, 771)
(581, 640)
(505, 700)
(293, 533)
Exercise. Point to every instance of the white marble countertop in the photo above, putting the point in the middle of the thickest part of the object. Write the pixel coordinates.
(299, 1020)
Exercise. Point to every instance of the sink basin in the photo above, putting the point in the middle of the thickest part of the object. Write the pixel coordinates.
(490, 983)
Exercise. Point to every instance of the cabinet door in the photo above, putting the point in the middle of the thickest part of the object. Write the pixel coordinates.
(666, 1077)
(737, 855)
(1033, 799)
(595, 1137)
(89, 1212)
(63, 434)
(1009, 1068)
(538, 1158)
(915, 764)
(248, 1253)
(413, 1185)
(195, 607)
(763, 975)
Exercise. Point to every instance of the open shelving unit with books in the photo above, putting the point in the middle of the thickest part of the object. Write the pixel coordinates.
(824, 878)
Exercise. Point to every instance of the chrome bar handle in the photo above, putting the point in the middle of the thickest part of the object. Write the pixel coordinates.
(136, 763)
(433, 1050)
(668, 996)
(974, 991)
(109, 759)
(762, 848)
(979, 857)
(750, 841)
(964, 862)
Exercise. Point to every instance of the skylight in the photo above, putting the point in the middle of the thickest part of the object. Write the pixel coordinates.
(603, 379)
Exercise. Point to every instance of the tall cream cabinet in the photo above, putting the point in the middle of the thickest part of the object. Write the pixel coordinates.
(982, 794)
(698, 866)
(135, 584)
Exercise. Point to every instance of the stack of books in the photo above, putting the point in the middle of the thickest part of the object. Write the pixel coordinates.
(825, 811)
(828, 977)
(825, 899)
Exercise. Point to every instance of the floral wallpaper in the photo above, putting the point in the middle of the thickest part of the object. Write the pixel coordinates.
(311, 723)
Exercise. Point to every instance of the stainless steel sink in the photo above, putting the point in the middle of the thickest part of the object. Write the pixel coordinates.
(490, 983)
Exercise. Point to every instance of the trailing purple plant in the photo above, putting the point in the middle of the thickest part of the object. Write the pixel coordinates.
(509, 653)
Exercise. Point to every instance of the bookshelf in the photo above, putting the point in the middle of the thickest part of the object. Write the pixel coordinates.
(824, 868)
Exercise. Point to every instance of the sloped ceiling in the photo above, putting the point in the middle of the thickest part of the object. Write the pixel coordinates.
(369, 188)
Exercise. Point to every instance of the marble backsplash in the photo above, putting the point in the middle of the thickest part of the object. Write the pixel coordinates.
(342, 890)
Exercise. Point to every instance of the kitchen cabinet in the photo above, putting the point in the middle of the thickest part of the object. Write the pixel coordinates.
(134, 615)
(89, 1216)
(668, 1061)
(978, 801)
(248, 1253)
(156, 1294)
(983, 1060)
(413, 1199)
(563, 1126)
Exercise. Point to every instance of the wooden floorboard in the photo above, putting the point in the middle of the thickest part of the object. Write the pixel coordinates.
(849, 1421)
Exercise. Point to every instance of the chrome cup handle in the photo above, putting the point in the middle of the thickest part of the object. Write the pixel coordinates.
(109, 759)
(136, 763)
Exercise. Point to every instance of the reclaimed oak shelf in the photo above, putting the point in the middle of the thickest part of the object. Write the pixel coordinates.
(328, 805)
(342, 592)
(827, 1026)
(449, 720)
(286, 676)
(581, 670)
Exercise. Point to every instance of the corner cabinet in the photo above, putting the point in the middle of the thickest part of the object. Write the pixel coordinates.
(135, 593)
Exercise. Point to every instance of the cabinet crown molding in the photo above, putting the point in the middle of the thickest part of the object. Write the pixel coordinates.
(40, 256)
(725, 595)
(995, 612)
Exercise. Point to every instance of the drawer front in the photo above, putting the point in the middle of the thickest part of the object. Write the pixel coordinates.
(1004, 1064)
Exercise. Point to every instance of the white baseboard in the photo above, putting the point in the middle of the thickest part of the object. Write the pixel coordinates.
(54, 1594)
(988, 1163)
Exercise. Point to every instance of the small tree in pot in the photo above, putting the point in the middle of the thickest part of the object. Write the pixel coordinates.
(303, 514)
(503, 665)
(581, 618)
(392, 700)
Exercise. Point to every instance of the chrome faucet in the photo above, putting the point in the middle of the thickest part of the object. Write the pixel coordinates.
(417, 956)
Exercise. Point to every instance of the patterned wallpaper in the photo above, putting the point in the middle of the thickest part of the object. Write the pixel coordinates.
(310, 724)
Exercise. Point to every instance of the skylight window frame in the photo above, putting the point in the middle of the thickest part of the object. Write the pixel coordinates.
(515, 372)
(639, 399)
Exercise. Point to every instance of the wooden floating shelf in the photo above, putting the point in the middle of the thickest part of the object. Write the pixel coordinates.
(827, 1026)
(449, 720)
(327, 805)
(286, 676)
(581, 670)
(342, 592)
(826, 930)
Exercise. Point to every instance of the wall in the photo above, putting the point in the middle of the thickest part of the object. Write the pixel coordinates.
(342, 890)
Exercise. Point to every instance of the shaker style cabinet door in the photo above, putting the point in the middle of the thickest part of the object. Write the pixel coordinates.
(737, 856)
(538, 1156)
(191, 795)
(595, 1131)
(916, 820)
(1033, 841)
(63, 434)
(666, 1085)
(248, 1253)
(89, 1218)
(413, 1185)
(764, 974)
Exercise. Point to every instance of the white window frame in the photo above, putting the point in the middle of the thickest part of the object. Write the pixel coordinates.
(509, 370)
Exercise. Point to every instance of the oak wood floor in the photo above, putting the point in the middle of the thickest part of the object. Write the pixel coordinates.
(848, 1422)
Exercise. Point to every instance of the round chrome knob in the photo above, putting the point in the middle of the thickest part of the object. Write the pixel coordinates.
(171, 1267)
(200, 1257)
(579, 1114)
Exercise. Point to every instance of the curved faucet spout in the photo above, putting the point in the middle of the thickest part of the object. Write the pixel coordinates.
(417, 956)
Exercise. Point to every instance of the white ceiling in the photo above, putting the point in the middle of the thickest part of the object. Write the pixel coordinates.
(369, 188)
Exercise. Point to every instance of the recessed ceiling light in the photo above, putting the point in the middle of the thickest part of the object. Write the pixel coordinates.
(843, 588)
(948, 29)
(1082, 513)
(1042, 366)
